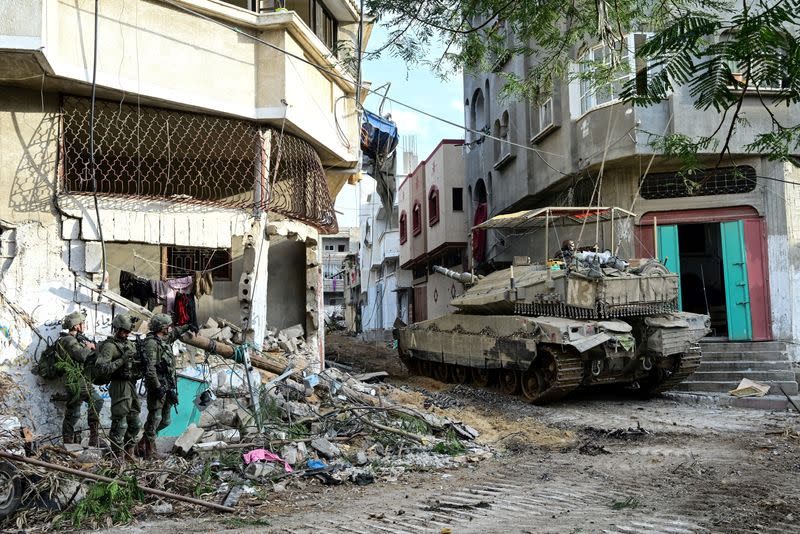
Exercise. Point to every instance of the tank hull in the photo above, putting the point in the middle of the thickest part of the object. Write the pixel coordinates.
(548, 357)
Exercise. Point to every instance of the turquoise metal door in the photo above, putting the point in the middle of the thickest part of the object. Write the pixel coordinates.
(737, 290)
(669, 253)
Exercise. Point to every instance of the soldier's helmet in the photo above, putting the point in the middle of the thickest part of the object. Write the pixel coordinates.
(72, 320)
(160, 321)
(122, 322)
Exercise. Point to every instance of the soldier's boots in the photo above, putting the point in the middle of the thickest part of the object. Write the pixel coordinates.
(130, 453)
(94, 435)
(148, 450)
(141, 448)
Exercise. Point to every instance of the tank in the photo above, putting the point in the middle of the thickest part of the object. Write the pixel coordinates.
(544, 330)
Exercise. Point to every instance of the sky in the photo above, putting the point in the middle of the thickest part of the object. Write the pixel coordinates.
(418, 87)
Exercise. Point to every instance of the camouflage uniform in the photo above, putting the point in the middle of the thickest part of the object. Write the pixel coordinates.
(117, 359)
(79, 390)
(160, 371)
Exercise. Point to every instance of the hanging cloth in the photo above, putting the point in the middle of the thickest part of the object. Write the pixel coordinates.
(185, 310)
(136, 289)
(167, 289)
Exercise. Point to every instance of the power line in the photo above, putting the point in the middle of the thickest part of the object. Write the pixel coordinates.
(346, 79)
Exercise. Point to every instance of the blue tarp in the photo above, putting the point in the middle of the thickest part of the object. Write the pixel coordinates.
(378, 136)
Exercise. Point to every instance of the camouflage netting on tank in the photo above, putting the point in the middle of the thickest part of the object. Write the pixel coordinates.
(191, 158)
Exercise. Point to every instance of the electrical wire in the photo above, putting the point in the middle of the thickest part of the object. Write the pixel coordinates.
(92, 163)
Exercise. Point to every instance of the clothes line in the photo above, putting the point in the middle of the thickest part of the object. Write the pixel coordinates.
(148, 260)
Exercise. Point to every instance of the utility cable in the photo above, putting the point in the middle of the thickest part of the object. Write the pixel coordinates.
(92, 163)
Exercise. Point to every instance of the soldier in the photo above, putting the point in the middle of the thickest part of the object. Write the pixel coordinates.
(79, 389)
(117, 359)
(162, 393)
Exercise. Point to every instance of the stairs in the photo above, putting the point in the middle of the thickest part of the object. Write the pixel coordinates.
(725, 363)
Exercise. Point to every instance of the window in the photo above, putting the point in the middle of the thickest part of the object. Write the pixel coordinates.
(318, 18)
(403, 227)
(433, 205)
(721, 181)
(340, 248)
(764, 77)
(502, 152)
(416, 219)
(477, 115)
(546, 114)
(329, 247)
(601, 56)
(184, 261)
(458, 199)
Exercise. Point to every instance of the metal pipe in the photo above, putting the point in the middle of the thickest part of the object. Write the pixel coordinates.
(100, 478)
(655, 235)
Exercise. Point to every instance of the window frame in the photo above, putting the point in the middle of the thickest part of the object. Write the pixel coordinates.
(587, 89)
(403, 227)
(202, 261)
(433, 206)
(457, 193)
(416, 218)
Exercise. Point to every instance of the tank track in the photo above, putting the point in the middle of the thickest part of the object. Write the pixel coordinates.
(689, 363)
(569, 375)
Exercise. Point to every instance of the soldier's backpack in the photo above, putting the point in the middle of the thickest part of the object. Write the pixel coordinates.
(93, 368)
(47, 367)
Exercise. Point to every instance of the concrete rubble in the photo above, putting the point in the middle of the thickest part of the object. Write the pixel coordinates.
(304, 426)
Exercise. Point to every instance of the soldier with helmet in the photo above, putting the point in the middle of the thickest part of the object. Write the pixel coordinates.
(78, 348)
(160, 381)
(117, 359)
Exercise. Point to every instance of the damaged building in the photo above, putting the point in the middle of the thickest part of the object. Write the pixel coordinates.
(190, 154)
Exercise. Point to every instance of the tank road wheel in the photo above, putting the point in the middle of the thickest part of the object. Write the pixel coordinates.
(460, 374)
(412, 364)
(553, 375)
(533, 384)
(481, 377)
(441, 372)
(509, 381)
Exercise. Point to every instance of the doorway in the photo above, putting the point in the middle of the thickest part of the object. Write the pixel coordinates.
(710, 260)
(702, 276)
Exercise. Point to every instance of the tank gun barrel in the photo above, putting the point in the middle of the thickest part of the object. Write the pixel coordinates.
(464, 278)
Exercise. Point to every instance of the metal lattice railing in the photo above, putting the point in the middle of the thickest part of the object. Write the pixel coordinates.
(191, 158)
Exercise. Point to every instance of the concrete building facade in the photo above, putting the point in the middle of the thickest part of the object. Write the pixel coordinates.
(433, 229)
(381, 276)
(731, 228)
(335, 249)
(192, 172)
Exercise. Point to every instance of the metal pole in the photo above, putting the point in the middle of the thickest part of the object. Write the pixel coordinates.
(655, 236)
(100, 478)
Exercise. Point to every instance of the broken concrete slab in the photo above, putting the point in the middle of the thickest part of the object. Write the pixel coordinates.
(289, 453)
(293, 331)
(217, 416)
(189, 437)
(326, 448)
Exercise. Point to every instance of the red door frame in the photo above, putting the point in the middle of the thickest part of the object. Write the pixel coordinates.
(755, 238)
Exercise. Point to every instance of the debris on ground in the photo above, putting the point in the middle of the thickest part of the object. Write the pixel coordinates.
(280, 424)
(750, 388)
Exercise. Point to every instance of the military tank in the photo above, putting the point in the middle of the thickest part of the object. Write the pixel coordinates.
(545, 330)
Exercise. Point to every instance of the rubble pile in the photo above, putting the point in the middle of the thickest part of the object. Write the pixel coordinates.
(277, 426)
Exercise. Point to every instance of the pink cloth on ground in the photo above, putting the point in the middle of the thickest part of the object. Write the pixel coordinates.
(259, 455)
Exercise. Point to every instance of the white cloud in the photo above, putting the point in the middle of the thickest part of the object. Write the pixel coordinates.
(457, 105)
(407, 122)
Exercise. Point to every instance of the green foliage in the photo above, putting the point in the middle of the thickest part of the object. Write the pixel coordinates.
(721, 51)
(451, 445)
(204, 481)
(239, 522)
(630, 502)
(416, 425)
(683, 147)
(106, 500)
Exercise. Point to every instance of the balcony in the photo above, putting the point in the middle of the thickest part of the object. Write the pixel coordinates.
(390, 244)
(333, 285)
(173, 58)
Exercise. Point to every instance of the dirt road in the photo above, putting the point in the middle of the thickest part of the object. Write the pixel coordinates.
(589, 464)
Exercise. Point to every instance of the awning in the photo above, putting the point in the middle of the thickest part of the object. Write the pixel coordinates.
(522, 220)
